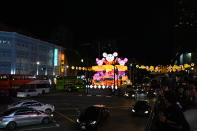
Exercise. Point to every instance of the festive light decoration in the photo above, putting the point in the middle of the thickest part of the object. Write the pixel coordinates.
(107, 66)
(165, 69)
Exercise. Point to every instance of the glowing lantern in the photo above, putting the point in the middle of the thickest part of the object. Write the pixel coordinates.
(151, 68)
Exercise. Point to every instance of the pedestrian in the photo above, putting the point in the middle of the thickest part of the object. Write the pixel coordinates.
(172, 118)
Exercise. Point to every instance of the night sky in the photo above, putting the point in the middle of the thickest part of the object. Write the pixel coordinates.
(140, 29)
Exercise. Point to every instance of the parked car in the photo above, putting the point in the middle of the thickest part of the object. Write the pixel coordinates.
(16, 117)
(141, 108)
(27, 93)
(48, 108)
(92, 117)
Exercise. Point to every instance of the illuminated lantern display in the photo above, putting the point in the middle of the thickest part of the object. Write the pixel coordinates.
(107, 69)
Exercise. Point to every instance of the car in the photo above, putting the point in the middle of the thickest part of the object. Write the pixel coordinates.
(131, 94)
(151, 94)
(141, 108)
(27, 93)
(92, 117)
(48, 108)
(17, 117)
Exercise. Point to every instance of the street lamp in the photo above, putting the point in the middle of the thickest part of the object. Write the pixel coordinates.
(37, 63)
(130, 71)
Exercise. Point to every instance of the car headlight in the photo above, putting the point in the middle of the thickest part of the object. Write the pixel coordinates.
(133, 95)
(133, 110)
(77, 120)
(146, 112)
(126, 94)
(93, 122)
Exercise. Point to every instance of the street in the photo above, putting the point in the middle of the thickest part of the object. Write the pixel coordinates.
(67, 107)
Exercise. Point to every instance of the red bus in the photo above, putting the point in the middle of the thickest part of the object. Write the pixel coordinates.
(13, 82)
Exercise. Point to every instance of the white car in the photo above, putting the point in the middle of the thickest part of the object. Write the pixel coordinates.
(48, 108)
(27, 93)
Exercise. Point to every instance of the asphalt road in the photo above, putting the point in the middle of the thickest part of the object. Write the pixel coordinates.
(67, 106)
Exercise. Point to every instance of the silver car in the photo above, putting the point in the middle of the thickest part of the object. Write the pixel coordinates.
(16, 117)
(48, 108)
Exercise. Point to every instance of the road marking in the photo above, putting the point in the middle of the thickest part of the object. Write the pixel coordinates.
(40, 128)
(108, 96)
(65, 117)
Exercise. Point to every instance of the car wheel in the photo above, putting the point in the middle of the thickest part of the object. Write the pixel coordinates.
(45, 120)
(11, 125)
(48, 111)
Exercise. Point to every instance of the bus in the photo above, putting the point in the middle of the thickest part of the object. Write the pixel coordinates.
(69, 83)
(14, 82)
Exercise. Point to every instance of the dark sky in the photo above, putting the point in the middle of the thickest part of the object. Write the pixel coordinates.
(141, 29)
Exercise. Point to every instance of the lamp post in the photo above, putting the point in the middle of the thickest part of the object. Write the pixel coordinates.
(37, 63)
(114, 76)
(130, 72)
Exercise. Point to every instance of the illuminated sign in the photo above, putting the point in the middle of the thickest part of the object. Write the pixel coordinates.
(4, 42)
(62, 63)
(55, 57)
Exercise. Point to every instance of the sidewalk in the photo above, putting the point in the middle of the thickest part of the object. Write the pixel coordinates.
(191, 116)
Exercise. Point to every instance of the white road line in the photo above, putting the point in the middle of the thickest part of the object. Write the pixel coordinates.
(89, 95)
(107, 96)
(56, 125)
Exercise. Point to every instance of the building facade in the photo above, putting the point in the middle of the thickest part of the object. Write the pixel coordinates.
(20, 54)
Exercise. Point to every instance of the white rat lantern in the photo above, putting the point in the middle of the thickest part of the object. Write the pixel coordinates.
(110, 58)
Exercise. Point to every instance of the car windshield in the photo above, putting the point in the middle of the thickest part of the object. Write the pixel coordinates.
(91, 113)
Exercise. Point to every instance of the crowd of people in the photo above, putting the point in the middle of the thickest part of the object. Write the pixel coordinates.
(173, 99)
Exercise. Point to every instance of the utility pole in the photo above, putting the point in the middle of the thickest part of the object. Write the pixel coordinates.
(114, 76)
